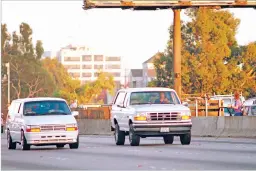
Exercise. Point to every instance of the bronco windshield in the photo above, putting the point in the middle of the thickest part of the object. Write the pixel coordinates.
(155, 97)
(50, 107)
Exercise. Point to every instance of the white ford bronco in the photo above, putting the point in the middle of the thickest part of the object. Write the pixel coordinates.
(150, 112)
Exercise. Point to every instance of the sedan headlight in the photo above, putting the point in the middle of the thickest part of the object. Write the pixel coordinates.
(71, 127)
(33, 128)
(140, 117)
(186, 115)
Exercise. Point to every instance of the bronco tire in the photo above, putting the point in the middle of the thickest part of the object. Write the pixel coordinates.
(133, 138)
(185, 139)
(11, 145)
(168, 139)
(119, 136)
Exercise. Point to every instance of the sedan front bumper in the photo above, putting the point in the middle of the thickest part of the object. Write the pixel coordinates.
(60, 137)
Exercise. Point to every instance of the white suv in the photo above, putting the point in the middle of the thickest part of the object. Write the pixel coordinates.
(41, 121)
(150, 112)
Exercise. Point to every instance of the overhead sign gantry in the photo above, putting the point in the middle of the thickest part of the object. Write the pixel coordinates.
(176, 5)
(165, 4)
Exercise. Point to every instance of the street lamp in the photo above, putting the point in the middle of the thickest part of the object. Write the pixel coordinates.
(8, 74)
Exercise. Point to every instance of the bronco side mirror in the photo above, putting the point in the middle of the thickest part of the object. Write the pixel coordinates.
(75, 113)
(185, 104)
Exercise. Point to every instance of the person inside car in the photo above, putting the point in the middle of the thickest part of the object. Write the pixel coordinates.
(162, 99)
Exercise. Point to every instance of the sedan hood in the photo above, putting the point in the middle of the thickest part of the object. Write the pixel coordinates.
(161, 108)
(49, 120)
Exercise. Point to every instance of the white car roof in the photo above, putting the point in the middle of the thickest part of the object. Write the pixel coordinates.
(130, 90)
(39, 99)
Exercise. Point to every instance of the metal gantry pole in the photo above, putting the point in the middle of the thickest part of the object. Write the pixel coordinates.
(177, 51)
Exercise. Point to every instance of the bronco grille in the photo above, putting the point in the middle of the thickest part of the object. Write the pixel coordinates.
(53, 128)
(164, 116)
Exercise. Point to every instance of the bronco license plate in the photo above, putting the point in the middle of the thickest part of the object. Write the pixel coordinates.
(164, 130)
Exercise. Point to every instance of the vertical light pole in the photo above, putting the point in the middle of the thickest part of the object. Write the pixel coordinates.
(177, 51)
(8, 74)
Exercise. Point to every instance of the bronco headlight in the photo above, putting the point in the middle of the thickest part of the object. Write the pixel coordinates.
(140, 117)
(186, 115)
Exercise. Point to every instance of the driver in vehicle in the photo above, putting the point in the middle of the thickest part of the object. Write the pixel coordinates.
(162, 99)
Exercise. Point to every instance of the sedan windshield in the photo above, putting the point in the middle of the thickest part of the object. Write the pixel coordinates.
(155, 97)
(51, 107)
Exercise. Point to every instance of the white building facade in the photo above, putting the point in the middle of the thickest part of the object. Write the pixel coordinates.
(148, 71)
(136, 78)
(84, 64)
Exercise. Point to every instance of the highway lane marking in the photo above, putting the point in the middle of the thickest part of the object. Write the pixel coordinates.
(57, 158)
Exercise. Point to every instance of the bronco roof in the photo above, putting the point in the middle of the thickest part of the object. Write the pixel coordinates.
(146, 89)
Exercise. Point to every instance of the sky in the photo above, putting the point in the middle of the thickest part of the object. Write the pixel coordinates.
(134, 35)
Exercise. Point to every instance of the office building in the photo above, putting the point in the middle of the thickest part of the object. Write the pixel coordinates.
(84, 63)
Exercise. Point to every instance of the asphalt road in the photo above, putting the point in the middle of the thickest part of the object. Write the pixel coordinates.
(100, 153)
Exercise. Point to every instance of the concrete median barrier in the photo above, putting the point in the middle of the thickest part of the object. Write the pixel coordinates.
(236, 126)
(94, 127)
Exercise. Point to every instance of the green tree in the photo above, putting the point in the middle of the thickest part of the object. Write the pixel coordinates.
(90, 91)
(163, 67)
(66, 87)
(28, 77)
(39, 49)
(57, 72)
(214, 33)
(211, 55)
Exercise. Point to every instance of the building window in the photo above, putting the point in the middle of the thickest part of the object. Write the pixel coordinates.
(87, 67)
(98, 57)
(109, 66)
(110, 58)
(87, 58)
(74, 74)
(72, 66)
(87, 74)
(72, 59)
(98, 66)
(116, 74)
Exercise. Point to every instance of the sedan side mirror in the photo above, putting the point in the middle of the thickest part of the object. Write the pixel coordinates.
(75, 113)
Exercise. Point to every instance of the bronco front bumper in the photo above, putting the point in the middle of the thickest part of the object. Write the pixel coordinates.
(160, 129)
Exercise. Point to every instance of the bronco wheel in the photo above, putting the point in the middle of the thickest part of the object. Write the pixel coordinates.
(119, 136)
(133, 138)
(168, 139)
(74, 145)
(185, 139)
(24, 144)
(11, 145)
